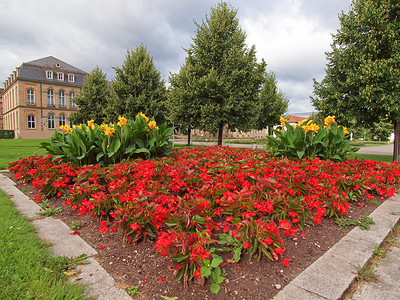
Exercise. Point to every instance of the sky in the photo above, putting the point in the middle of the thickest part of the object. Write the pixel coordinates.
(292, 36)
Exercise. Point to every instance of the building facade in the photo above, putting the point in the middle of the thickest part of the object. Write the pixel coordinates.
(1, 108)
(38, 97)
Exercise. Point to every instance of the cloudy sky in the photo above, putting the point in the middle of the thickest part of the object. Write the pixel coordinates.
(290, 35)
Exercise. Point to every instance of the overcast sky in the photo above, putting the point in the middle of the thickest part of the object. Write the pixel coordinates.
(290, 35)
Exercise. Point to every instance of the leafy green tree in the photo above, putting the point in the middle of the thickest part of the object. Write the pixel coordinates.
(362, 79)
(271, 104)
(138, 88)
(182, 105)
(93, 99)
(225, 75)
(382, 131)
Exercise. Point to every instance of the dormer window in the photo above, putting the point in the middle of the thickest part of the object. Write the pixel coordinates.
(60, 76)
(49, 74)
(71, 77)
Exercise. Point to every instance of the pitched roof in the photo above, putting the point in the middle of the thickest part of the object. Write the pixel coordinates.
(53, 63)
(295, 119)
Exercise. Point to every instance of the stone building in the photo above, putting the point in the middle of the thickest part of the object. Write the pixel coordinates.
(38, 97)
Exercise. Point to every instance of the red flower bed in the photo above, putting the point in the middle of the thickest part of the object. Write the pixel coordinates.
(202, 201)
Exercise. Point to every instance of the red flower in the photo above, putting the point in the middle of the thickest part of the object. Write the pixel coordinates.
(37, 198)
(246, 245)
(197, 273)
(286, 261)
(161, 279)
(101, 247)
(76, 233)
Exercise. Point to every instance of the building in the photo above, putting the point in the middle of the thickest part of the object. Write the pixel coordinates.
(1, 108)
(38, 97)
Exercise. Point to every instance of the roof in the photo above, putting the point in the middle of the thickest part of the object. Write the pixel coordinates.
(295, 119)
(53, 63)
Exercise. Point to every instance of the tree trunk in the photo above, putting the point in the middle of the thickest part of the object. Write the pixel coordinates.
(396, 141)
(220, 132)
(189, 132)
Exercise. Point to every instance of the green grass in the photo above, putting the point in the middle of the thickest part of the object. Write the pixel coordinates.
(13, 150)
(27, 268)
(384, 158)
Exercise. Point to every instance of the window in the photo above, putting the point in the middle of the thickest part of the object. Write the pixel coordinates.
(31, 122)
(50, 98)
(71, 77)
(49, 74)
(50, 121)
(62, 120)
(61, 98)
(71, 102)
(30, 96)
(60, 76)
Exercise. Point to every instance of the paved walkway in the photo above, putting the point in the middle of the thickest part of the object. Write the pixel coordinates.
(327, 278)
(378, 149)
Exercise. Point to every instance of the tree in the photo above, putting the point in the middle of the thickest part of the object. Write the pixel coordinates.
(182, 105)
(225, 75)
(138, 88)
(93, 99)
(271, 104)
(362, 79)
(381, 131)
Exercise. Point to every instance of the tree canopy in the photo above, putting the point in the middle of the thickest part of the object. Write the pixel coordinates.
(138, 88)
(362, 79)
(93, 99)
(271, 104)
(221, 77)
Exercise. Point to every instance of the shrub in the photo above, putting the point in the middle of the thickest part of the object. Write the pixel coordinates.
(7, 134)
(307, 140)
(110, 143)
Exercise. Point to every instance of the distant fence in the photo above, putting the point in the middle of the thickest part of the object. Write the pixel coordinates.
(7, 134)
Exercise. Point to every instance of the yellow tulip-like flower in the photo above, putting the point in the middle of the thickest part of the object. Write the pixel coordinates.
(143, 116)
(90, 123)
(121, 121)
(103, 126)
(109, 131)
(283, 121)
(329, 120)
(66, 128)
(152, 124)
(302, 121)
(310, 127)
(345, 131)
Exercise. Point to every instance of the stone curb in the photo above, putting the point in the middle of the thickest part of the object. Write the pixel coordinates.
(333, 273)
(98, 282)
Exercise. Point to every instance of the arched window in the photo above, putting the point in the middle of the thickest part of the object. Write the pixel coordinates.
(50, 121)
(71, 102)
(50, 98)
(62, 119)
(31, 122)
(61, 98)
(30, 96)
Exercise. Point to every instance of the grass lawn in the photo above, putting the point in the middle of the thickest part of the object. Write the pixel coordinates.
(27, 268)
(385, 158)
(12, 150)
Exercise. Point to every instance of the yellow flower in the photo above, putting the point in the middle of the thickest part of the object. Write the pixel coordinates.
(152, 124)
(109, 131)
(66, 128)
(103, 126)
(345, 130)
(283, 121)
(122, 121)
(143, 116)
(329, 120)
(91, 123)
(302, 121)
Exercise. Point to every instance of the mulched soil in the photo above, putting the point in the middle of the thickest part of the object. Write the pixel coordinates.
(138, 265)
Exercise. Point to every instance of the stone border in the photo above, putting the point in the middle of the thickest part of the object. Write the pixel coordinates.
(98, 282)
(333, 273)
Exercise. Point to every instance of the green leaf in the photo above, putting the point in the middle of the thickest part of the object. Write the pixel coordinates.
(216, 261)
(205, 271)
(215, 288)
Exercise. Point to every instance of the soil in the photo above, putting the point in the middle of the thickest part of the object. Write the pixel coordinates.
(139, 266)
